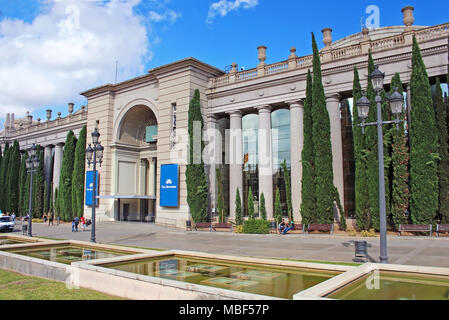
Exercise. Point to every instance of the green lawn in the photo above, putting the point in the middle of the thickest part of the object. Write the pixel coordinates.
(15, 286)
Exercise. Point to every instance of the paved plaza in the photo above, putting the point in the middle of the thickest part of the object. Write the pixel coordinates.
(423, 251)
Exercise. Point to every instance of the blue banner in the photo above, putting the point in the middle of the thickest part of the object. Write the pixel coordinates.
(90, 187)
(169, 185)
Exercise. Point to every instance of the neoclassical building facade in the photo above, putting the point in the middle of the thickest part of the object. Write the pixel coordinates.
(253, 122)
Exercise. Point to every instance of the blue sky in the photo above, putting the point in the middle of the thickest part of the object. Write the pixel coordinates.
(47, 58)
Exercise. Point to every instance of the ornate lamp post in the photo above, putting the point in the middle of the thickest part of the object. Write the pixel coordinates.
(94, 155)
(396, 103)
(32, 163)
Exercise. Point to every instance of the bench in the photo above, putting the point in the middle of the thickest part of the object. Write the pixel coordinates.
(216, 226)
(298, 227)
(415, 228)
(320, 227)
(442, 228)
(202, 225)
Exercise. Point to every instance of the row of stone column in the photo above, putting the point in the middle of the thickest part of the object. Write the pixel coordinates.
(265, 154)
(151, 164)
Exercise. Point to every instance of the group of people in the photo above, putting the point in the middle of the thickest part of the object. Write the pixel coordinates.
(284, 228)
(50, 219)
(76, 221)
(13, 215)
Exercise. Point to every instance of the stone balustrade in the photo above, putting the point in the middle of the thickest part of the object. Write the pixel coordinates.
(387, 43)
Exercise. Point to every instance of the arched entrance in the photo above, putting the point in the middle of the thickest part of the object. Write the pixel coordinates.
(135, 151)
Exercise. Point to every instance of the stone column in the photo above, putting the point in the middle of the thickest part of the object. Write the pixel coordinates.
(48, 168)
(333, 108)
(152, 178)
(214, 153)
(142, 177)
(235, 160)
(296, 145)
(57, 165)
(265, 155)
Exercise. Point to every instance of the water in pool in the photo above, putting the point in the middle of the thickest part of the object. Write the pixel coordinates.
(395, 286)
(269, 281)
(66, 254)
(4, 242)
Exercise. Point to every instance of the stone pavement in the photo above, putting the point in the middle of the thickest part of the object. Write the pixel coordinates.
(423, 251)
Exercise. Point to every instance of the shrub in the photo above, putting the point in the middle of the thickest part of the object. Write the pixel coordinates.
(238, 229)
(256, 226)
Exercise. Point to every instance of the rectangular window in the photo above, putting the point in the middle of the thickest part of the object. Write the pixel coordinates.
(173, 127)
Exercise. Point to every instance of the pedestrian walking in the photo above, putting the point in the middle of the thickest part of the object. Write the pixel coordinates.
(83, 221)
(50, 219)
(76, 223)
(73, 225)
(13, 217)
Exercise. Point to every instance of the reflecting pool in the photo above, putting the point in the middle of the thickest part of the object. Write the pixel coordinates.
(385, 285)
(67, 254)
(281, 282)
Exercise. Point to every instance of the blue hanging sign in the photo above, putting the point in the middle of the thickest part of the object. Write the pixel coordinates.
(90, 186)
(169, 185)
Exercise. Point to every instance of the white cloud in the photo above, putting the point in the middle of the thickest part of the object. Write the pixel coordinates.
(170, 16)
(223, 7)
(69, 48)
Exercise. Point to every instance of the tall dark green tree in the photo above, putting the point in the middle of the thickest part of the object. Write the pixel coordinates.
(3, 178)
(22, 185)
(277, 206)
(12, 183)
(262, 207)
(443, 165)
(288, 191)
(362, 204)
(250, 204)
(400, 193)
(372, 162)
(238, 208)
(424, 145)
(65, 180)
(322, 144)
(220, 195)
(38, 185)
(195, 176)
(78, 175)
(308, 203)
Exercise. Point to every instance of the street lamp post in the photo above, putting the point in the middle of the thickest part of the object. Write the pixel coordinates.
(94, 155)
(32, 163)
(397, 103)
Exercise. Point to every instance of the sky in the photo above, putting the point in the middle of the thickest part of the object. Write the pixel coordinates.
(51, 50)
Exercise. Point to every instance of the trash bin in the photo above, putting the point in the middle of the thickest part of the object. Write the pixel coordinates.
(361, 249)
(188, 225)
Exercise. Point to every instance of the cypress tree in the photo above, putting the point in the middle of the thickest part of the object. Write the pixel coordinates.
(12, 183)
(22, 185)
(400, 193)
(38, 186)
(3, 178)
(78, 174)
(424, 145)
(308, 203)
(238, 208)
(443, 165)
(56, 205)
(362, 204)
(262, 208)
(220, 199)
(250, 204)
(372, 162)
(195, 177)
(277, 207)
(45, 197)
(65, 180)
(322, 144)
(287, 190)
